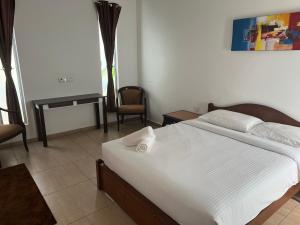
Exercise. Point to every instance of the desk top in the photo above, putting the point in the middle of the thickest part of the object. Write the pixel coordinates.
(20, 199)
(67, 99)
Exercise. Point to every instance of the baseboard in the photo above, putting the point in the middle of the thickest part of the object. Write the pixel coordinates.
(49, 137)
(66, 133)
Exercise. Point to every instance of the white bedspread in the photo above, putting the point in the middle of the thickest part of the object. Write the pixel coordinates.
(201, 174)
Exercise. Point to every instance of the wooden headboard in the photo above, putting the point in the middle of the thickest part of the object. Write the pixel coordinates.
(265, 113)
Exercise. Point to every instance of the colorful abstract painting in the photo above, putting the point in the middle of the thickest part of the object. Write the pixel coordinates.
(267, 33)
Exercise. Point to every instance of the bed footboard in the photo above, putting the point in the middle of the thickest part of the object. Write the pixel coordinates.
(138, 207)
(144, 212)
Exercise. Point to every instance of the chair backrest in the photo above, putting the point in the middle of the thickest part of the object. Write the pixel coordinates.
(19, 119)
(131, 95)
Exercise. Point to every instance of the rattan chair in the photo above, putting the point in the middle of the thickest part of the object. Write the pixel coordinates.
(10, 131)
(133, 102)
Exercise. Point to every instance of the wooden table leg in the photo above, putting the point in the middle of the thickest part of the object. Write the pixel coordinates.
(97, 112)
(104, 109)
(37, 122)
(43, 126)
(164, 122)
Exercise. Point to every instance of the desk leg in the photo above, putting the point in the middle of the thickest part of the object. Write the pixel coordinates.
(164, 122)
(43, 127)
(97, 112)
(37, 122)
(104, 114)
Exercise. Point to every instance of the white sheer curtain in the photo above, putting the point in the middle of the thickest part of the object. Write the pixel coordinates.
(104, 67)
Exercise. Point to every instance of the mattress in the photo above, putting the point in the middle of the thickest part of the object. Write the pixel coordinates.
(199, 173)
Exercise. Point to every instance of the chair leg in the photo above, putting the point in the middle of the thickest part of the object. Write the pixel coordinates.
(122, 119)
(118, 121)
(25, 140)
(141, 116)
(145, 119)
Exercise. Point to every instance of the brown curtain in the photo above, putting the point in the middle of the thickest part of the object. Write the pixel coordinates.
(108, 14)
(7, 11)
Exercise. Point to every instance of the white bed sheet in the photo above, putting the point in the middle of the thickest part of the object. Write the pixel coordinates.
(201, 174)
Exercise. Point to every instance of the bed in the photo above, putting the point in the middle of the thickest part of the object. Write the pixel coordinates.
(199, 173)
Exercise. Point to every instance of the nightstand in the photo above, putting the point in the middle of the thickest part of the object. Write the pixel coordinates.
(178, 116)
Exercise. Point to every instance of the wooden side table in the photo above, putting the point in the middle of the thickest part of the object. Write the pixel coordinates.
(178, 116)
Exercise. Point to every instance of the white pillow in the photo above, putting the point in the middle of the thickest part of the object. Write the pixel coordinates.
(231, 120)
(281, 133)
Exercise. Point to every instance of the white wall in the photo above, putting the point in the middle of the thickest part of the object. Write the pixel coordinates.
(186, 62)
(127, 43)
(61, 36)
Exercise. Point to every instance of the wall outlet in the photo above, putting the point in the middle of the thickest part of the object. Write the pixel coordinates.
(66, 79)
(62, 80)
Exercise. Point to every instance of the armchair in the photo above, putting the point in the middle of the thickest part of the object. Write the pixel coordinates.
(133, 102)
(12, 130)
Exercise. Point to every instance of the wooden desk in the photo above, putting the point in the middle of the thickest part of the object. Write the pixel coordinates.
(40, 105)
(21, 202)
(178, 116)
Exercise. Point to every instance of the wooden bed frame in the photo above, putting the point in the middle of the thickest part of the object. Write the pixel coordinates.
(144, 212)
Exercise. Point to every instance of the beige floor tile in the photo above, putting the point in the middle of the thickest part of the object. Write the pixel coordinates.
(83, 221)
(88, 197)
(34, 148)
(58, 178)
(39, 162)
(5, 163)
(59, 155)
(293, 218)
(76, 202)
(96, 136)
(63, 208)
(282, 213)
(110, 216)
(87, 166)
(94, 180)
(288, 207)
(76, 154)
(68, 150)
(7, 158)
(276, 219)
(87, 144)
(19, 151)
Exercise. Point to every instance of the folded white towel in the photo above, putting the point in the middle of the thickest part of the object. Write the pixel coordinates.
(146, 144)
(136, 137)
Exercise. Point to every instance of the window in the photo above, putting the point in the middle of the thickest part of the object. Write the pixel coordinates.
(104, 67)
(16, 75)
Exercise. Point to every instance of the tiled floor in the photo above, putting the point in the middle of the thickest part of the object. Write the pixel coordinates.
(66, 175)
